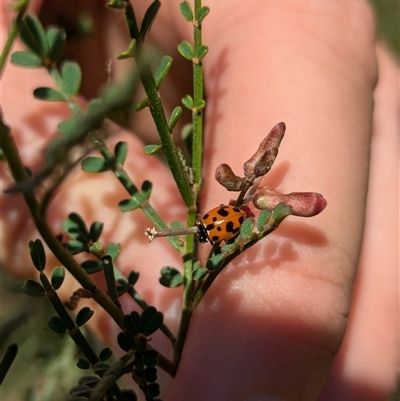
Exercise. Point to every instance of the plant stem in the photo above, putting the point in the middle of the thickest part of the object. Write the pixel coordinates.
(14, 29)
(19, 174)
(198, 92)
(157, 111)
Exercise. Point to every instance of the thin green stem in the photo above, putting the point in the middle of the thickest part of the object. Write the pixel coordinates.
(12, 34)
(171, 152)
(197, 118)
(133, 191)
(198, 96)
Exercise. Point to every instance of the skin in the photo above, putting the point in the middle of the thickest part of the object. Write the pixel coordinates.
(289, 319)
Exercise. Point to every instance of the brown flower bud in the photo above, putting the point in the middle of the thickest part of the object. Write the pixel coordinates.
(261, 162)
(227, 178)
(304, 204)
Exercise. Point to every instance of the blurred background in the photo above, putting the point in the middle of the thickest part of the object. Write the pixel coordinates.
(45, 367)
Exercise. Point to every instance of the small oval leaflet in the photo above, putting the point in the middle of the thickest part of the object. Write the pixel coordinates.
(26, 59)
(48, 94)
(120, 152)
(83, 316)
(150, 320)
(56, 40)
(72, 76)
(38, 255)
(105, 354)
(57, 277)
(89, 380)
(186, 51)
(33, 288)
(187, 101)
(186, 11)
(94, 164)
(170, 277)
(83, 363)
(57, 325)
(80, 391)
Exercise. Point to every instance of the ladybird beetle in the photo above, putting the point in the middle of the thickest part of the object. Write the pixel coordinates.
(220, 224)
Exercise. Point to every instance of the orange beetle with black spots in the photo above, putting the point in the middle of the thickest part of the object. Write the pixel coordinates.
(220, 224)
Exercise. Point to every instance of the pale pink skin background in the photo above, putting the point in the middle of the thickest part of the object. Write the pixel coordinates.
(289, 319)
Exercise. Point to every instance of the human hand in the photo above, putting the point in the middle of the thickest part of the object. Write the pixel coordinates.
(271, 324)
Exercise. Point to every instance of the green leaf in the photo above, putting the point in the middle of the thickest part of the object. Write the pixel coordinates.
(132, 323)
(100, 368)
(200, 105)
(202, 13)
(116, 4)
(150, 357)
(34, 36)
(38, 255)
(75, 247)
(151, 149)
(133, 277)
(250, 241)
(153, 389)
(72, 76)
(69, 125)
(96, 111)
(104, 355)
(57, 277)
(127, 205)
(56, 40)
(186, 11)
(263, 219)
(171, 277)
(33, 288)
(147, 187)
(215, 262)
(93, 164)
(92, 266)
(129, 52)
(80, 392)
(162, 70)
(150, 374)
(48, 94)
(113, 250)
(57, 325)
(95, 230)
(90, 381)
(120, 152)
(148, 18)
(83, 316)
(201, 52)
(83, 363)
(75, 224)
(140, 105)
(246, 229)
(150, 320)
(123, 342)
(187, 101)
(198, 274)
(186, 50)
(173, 120)
(280, 212)
(26, 59)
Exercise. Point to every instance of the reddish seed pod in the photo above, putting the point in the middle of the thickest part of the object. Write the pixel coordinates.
(261, 162)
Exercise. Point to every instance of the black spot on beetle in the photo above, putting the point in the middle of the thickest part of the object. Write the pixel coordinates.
(229, 227)
(222, 212)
